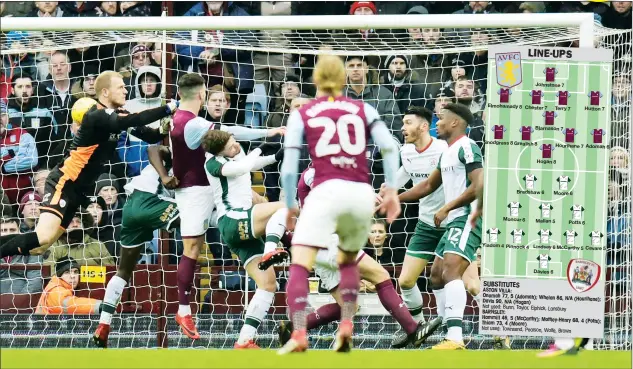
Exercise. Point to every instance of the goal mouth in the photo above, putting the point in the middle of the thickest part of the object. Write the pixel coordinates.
(256, 59)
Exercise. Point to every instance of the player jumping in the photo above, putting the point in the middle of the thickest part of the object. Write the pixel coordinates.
(241, 224)
(336, 130)
(193, 195)
(460, 170)
(370, 270)
(70, 182)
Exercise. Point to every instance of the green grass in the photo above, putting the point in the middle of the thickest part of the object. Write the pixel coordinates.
(159, 358)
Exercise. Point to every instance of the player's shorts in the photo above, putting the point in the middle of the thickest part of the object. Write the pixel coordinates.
(196, 206)
(143, 213)
(461, 239)
(326, 267)
(61, 197)
(236, 229)
(424, 241)
(336, 206)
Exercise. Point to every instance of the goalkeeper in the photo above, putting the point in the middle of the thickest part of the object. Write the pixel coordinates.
(70, 182)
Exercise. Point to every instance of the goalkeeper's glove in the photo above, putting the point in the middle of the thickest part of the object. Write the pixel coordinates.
(165, 126)
(171, 106)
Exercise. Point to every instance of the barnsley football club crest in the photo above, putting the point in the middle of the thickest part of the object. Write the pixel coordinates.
(508, 65)
(582, 274)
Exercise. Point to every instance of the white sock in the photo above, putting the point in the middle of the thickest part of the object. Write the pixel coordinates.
(478, 299)
(275, 229)
(111, 299)
(564, 343)
(184, 310)
(413, 299)
(255, 314)
(454, 309)
(440, 301)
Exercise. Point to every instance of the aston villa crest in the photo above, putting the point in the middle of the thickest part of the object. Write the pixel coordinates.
(582, 274)
(509, 72)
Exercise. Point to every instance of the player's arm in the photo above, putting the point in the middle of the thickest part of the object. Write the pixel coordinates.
(121, 122)
(248, 134)
(389, 149)
(157, 155)
(149, 135)
(424, 188)
(292, 151)
(250, 162)
(402, 177)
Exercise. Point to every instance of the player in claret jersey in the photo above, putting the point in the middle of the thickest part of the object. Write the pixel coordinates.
(460, 170)
(70, 182)
(193, 196)
(336, 130)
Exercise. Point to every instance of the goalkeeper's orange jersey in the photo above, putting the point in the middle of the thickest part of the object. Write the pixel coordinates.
(58, 298)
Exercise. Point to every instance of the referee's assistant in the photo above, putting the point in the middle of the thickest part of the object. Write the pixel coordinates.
(70, 182)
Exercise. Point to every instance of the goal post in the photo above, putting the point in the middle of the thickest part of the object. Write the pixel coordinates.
(221, 291)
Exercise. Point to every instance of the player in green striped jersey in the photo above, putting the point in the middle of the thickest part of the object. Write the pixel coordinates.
(460, 170)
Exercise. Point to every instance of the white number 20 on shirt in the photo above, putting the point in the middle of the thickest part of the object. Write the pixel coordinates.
(325, 147)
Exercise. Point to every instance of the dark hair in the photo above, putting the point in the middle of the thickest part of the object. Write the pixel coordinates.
(421, 112)
(188, 82)
(10, 220)
(214, 141)
(20, 73)
(461, 111)
(62, 52)
(352, 57)
(379, 221)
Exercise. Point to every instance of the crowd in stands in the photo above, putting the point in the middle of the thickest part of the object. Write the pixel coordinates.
(252, 88)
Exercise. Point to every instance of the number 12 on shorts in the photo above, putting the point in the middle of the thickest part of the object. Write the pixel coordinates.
(454, 236)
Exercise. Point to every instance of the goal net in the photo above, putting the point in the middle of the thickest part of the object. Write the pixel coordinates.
(392, 64)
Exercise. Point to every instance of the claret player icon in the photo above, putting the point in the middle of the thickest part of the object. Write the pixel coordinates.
(562, 97)
(514, 207)
(576, 212)
(543, 261)
(498, 131)
(546, 209)
(517, 235)
(570, 236)
(596, 236)
(598, 135)
(545, 234)
(547, 150)
(493, 234)
(529, 181)
(563, 182)
(570, 134)
(526, 133)
(594, 97)
(550, 74)
(549, 117)
(537, 95)
(504, 95)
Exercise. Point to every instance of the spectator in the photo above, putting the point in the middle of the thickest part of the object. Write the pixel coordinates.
(377, 96)
(42, 58)
(78, 245)
(270, 68)
(108, 9)
(19, 280)
(29, 211)
(5, 83)
(85, 85)
(618, 16)
(399, 79)
(619, 161)
(39, 178)
(479, 38)
(46, 9)
(457, 70)
(440, 102)
(79, 8)
(217, 104)
(16, 8)
(6, 208)
(376, 242)
(56, 93)
(89, 59)
(239, 62)
(29, 113)
(621, 91)
(18, 157)
(598, 9)
(477, 7)
(467, 93)
(132, 150)
(59, 296)
(290, 89)
(135, 9)
(109, 190)
(532, 7)
(23, 60)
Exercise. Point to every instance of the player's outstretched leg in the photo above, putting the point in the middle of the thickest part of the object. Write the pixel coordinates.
(114, 289)
(275, 230)
(321, 316)
(185, 275)
(259, 305)
(47, 231)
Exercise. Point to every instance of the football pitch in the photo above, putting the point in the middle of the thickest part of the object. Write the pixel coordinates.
(159, 358)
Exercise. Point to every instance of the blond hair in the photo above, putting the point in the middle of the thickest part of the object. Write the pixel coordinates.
(104, 80)
(219, 89)
(329, 74)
